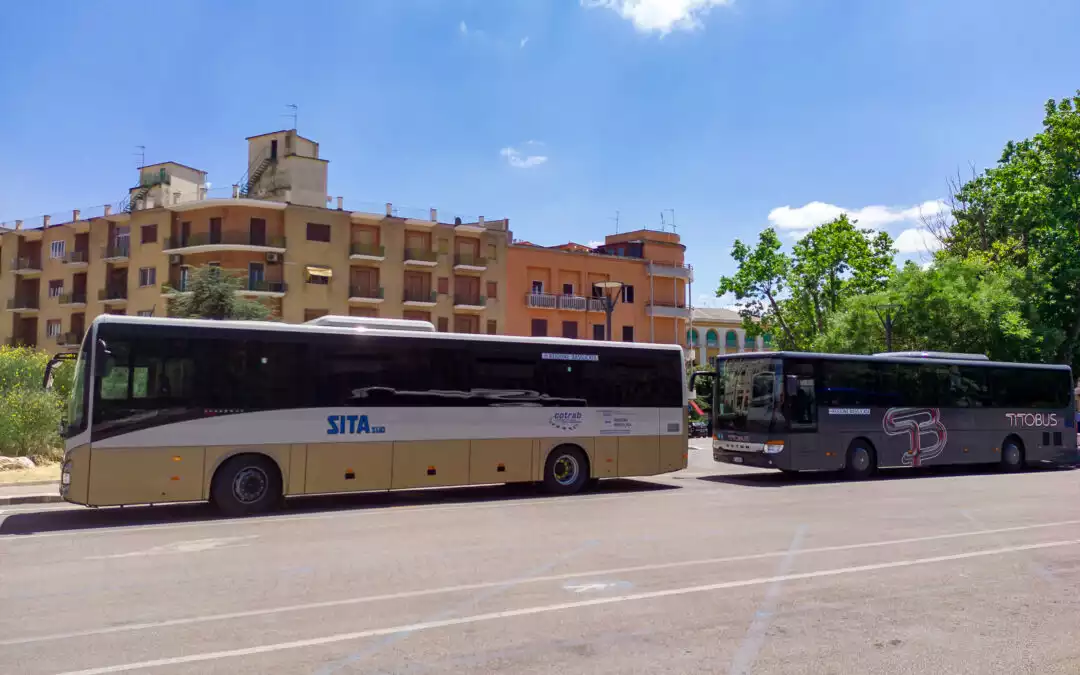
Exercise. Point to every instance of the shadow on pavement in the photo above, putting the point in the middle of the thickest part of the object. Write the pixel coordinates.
(59, 520)
(778, 479)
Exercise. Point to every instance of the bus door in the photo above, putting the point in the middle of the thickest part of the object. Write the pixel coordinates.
(800, 413)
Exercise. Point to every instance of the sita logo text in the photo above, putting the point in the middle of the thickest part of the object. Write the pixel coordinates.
(1032, 419)
(351, 424)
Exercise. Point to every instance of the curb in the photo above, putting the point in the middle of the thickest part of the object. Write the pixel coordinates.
(31, 483)
(31, 499)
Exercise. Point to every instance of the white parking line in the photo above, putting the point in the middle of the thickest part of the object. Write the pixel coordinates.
(586, 574)
(543, 609)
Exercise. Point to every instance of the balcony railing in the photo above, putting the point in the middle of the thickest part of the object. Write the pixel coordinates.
(373, 250)
(69, 338)
(420, 296)
(470, 260)
(263, 286)
(369, 292)
(420, 254)
(26, 263)
(23, 302)
(568, 302)
(77, 257)
(120, 249)
(114, 293)
(73, 298)
(679, 304)
(223, 239)
(470, 300)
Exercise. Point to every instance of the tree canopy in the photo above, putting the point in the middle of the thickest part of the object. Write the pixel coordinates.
(213, 296)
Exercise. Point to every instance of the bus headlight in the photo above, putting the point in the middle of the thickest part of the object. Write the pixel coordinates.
(774, 447)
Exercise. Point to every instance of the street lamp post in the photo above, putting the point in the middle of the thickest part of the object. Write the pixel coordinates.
(613, 293)
(887, 321)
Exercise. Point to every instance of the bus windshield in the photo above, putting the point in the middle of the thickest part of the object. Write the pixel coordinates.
(746, 394)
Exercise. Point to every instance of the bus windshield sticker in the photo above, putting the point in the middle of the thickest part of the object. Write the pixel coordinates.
(849, 411)
(554, 356)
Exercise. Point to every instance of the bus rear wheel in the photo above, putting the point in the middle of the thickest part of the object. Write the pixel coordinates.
(1012, 456)
(246, 485)
(861, 461)
(566, 471)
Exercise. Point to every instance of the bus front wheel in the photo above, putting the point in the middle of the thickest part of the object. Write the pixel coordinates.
(860, 462)
(246, 485)
(566, 471)
(1012, 456)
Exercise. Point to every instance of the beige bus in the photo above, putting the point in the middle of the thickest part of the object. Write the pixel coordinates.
(243, 414)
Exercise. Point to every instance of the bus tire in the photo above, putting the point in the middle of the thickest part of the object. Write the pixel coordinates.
(1012, 455)
(246, 485)
(566, 471)
(861, 460)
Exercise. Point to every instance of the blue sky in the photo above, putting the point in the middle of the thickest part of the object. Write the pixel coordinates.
(554, 114)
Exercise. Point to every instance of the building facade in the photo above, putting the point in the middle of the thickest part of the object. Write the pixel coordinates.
(552, 290)
(275, 232)
(720, 331)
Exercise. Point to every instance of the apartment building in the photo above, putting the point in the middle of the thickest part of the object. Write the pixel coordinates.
(716, 331)
(553, 290)
(273, 230)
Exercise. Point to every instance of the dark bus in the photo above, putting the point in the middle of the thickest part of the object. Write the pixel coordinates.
(798, 411)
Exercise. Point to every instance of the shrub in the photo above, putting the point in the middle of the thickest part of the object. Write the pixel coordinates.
(29, 415)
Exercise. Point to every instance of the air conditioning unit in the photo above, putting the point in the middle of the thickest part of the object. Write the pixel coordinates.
(176, 259)
(273, 257)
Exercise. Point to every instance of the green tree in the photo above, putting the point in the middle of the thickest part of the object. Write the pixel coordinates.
(799, 292)
(1024, 212)
(213, 296)
(958, 305)
(29, 415)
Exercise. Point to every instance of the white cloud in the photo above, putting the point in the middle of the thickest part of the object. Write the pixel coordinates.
(524, 41)
(463, 28)
(521, 160)
(802, 218)
(595, 244)
(916, 240)
(660, 16)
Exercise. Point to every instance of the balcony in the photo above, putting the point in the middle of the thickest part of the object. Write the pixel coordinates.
(77, 258)
(70, 338)
(118, 251)
(26, 265)
(421, 257)
(113, 295)
(223, 241)
(366, 294)
(541, 301)
(23, 303)
(420, 298)
(270, 289)
(672, 270)
(467, 302)
(72, 299)
(361, 251)
(668, 308)
(470, 262)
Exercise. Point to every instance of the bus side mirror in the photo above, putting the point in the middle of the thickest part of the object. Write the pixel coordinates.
(791, 385)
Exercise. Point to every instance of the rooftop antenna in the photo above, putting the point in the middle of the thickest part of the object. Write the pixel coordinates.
(616, 219)
(294, 114)
(672, 219)
(142, 155)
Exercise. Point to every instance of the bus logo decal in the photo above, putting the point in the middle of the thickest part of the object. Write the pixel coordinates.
(567, 421)
(916, 423)
(351, 424)
(1032, 419)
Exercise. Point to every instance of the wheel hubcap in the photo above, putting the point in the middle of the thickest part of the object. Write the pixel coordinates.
(1012, 454)
(250, 485)
(566, 470)
(860, 459)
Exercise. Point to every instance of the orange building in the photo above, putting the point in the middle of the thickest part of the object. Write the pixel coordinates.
(552, 290)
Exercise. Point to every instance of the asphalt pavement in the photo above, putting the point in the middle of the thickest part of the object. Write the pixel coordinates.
(715, 569)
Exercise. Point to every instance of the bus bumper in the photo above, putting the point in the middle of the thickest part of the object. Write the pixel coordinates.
(756, 459)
